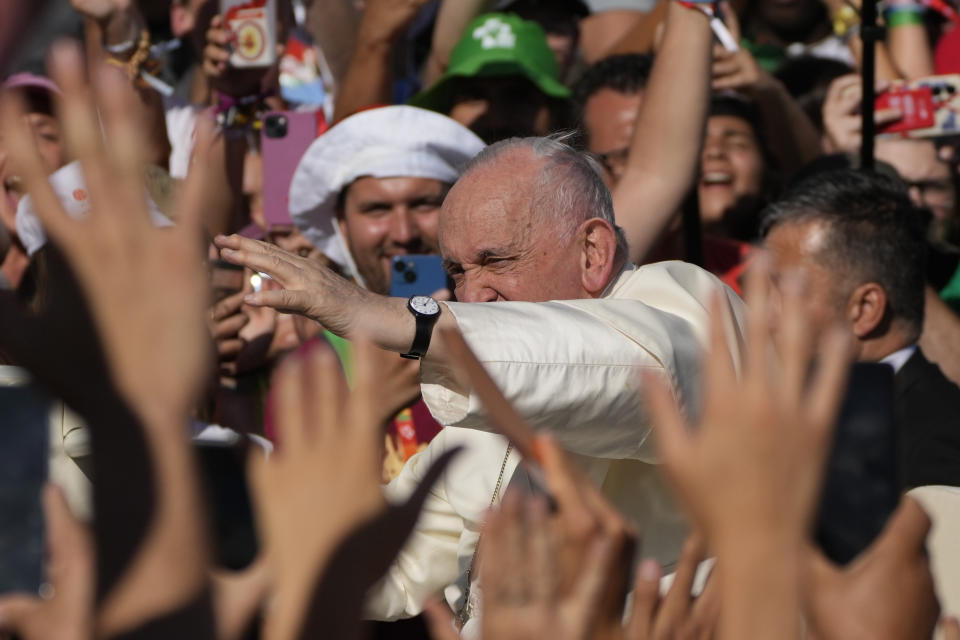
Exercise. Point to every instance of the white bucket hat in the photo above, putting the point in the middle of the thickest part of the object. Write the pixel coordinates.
(386, 142)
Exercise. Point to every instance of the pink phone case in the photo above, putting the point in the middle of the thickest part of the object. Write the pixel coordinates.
(281, 155)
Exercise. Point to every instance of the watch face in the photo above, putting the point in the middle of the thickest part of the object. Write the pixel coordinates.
(425, 305)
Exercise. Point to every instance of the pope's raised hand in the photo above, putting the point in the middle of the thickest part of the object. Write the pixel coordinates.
(309, 288)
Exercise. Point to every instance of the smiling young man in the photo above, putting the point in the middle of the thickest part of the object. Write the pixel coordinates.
(371, 188)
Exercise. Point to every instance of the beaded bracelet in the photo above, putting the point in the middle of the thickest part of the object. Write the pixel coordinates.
(137, 60)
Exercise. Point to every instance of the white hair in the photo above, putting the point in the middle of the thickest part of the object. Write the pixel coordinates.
(569, 189)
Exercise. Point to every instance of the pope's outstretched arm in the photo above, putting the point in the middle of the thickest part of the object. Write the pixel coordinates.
(314, 291)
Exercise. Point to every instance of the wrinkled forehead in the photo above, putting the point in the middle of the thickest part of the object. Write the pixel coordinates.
(492, 203)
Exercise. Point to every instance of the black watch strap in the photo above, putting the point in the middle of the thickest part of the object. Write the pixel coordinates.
(421, 341)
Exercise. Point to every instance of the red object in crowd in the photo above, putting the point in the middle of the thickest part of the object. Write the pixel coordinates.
(946, 57)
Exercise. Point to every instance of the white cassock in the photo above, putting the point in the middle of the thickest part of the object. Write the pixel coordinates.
(570, 367)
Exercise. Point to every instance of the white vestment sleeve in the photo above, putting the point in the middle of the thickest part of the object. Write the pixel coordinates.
(566, 367)
(573, 367)
(428, 561)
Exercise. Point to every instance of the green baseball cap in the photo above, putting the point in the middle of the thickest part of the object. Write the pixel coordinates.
(496, 45)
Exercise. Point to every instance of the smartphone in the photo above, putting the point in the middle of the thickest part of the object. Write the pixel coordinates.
(284, 137)
(417, 275)
(916, 105)
(253, 25)
(24, 449)
(939, 93)
(226, 279)
(861, 489)
(223, 477)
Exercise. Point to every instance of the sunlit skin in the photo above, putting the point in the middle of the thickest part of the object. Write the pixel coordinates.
(929, 177)
(831, 295)
(387, 217)
(495, 248)
(731, 166)
(794, 248)
(610, 117)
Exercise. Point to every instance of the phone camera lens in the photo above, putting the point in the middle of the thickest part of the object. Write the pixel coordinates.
(410, 276)
(400, 266)
(275, 126)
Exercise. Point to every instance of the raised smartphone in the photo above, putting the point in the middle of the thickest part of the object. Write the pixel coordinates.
(931, 107)
(417, 275)
(284, 138)
(24, 449)
(222, 472)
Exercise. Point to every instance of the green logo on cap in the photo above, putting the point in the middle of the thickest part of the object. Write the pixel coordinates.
(495, 34)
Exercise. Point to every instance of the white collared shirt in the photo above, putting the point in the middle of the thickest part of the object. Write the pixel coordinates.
(899, 357)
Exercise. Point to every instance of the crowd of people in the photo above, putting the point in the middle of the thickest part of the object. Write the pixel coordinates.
(248, 388)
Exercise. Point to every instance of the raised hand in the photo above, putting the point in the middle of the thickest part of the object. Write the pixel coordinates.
(309, 288)
(841, 114)
(226, 320)
(100, 9)
(525, 594)
(762, 441)
(751, 472)
(887, 592)
(149, 304)
(736, 69)
(678, 614)
(134, 363)
(325, 524)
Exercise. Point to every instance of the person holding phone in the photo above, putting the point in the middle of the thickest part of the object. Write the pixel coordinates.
(366, 192)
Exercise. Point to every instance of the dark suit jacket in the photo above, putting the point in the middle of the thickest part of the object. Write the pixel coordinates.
(927, 409)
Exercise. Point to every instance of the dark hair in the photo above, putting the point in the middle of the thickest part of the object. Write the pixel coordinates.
(874, 234)
(742, 220)
(561, 17)
(807, 79)
(626, 73)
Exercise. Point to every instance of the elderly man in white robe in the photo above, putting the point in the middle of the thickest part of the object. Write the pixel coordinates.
(529, 224)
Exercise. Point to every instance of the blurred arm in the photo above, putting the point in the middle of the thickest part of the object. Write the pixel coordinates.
(665, 152)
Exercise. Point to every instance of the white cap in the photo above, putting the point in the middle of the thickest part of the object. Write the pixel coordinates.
(387, 142)
(71, 189)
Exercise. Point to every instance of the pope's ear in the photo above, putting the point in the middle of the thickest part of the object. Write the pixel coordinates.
(598, 254)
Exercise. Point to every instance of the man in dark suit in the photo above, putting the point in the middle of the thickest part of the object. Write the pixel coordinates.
(927, 407)
(859, 246)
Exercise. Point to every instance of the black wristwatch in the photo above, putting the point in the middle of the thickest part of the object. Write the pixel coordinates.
(426, 310)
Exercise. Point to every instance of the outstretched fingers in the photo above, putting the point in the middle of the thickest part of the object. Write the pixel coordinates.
(192, 202)
(829, 384)
(79, 119)
(124, 155)
(280, 265)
